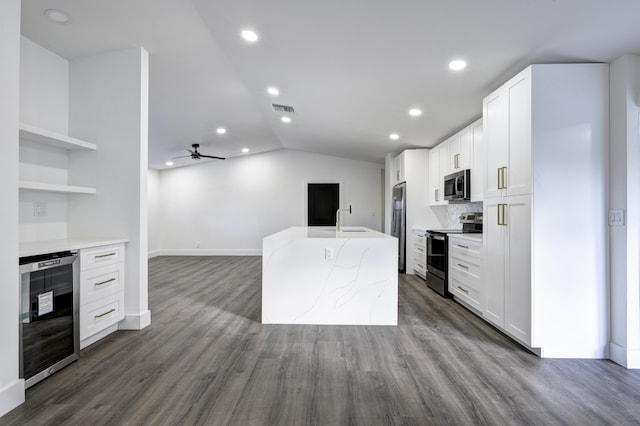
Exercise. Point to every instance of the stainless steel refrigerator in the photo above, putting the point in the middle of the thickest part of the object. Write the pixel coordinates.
(398, 221)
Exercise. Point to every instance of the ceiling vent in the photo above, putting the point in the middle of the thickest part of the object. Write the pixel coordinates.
(283, 108)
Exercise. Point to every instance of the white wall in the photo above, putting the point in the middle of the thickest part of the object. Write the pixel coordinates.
(44, 102)
(108, 105)
(153, 207)
(11, 388)
(227, 207)
(624, 193)
(44, 88)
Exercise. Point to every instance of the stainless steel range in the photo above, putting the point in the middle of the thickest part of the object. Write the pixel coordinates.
(437, 251)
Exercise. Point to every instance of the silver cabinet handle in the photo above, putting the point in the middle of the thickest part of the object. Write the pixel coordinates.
(99, 256)
(105, 281)
(464, 290)
(463, 266)
(104, 314)
(464, 247)
(436, 191)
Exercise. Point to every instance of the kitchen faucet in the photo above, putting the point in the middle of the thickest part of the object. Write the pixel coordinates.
(338, 216)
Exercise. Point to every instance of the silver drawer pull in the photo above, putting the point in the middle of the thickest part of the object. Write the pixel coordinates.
(104, 314)
(464, 290)
(99, 256)
(105, 282)
(464, 247)
(463, 266)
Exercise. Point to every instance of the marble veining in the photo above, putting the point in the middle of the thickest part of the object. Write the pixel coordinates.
(356, 283)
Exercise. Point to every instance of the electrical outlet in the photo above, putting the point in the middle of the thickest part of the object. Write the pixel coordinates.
(616, 217)
(328, 253)
(39, 209)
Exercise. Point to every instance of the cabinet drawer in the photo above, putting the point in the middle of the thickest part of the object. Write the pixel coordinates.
(420, 270)
(465, 265)
(97, 316)
(419, 241)
(101, 256)
(461, 290)
(100, 282)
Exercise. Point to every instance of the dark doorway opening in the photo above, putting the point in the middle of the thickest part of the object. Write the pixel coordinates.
(322, 203)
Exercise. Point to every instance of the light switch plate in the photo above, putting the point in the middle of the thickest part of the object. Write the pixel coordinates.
(40, 209)
(328, 253)
(616, 217)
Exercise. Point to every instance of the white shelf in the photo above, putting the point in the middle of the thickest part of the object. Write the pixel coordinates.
(49, 187)
(57, 140)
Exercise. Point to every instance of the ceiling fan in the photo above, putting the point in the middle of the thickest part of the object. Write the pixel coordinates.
(194, 154)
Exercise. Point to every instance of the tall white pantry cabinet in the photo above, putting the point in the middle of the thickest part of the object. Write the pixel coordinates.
(545, 233)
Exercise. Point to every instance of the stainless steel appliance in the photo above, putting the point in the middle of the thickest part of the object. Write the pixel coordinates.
(49, 333)
(457, 186)
(398, 222)
(438, 252)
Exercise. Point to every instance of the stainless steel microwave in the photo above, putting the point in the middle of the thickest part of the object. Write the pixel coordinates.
(457, 186)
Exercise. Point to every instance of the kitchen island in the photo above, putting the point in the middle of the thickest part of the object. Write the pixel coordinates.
(317, 275)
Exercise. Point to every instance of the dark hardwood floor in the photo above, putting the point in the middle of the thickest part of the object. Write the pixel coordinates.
(207, 360)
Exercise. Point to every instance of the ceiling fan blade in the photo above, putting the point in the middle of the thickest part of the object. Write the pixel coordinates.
(212, 156)
(182, 156)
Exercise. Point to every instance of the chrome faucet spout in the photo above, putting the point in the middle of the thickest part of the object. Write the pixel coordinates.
(338, 216)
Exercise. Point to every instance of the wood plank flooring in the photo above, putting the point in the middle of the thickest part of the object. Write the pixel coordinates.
(207, 360)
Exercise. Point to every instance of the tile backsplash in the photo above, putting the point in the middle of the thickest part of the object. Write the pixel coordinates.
(454, 210)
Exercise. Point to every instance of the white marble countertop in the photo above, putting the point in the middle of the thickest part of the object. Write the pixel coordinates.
(297, 232)
(42, 247)
(469, 237)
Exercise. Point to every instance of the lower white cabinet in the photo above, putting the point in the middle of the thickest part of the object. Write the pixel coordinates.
(101, 292)
(420, 255)
(465, 272)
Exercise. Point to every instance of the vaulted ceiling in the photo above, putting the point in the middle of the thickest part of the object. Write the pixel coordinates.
(351, 69)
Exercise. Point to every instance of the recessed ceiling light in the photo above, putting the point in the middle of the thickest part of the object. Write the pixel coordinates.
(286, 119)
(221, 130)
(273, 91)
(249, 35)
(415, 112)
(245, 150)
(457, 65)
(57, 16)
(169, 163)
(394, 136)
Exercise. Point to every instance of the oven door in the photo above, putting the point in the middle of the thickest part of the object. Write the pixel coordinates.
(436, 254)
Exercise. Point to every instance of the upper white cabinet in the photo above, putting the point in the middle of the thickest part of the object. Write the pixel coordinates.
(464, 150)
(459, 151)
(476, 133)
(507, 124)
(545, 141)
(436, 195)
(399, 168)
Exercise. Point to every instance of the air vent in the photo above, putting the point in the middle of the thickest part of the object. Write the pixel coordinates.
(284, 108)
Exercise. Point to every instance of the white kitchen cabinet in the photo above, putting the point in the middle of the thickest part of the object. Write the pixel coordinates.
(101, 291)
(507, 124)
(459, 151)
(436, 194)
(465, 272)
(476, 165)
(399, 168)
(507, 244)
(464, 150)
(545, 138)
(420, 255)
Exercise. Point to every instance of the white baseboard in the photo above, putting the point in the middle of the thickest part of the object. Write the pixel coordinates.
(154, 253)
(629, 358)
(135, 322)
(207, 252)
(11, 396)
(99, 335)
